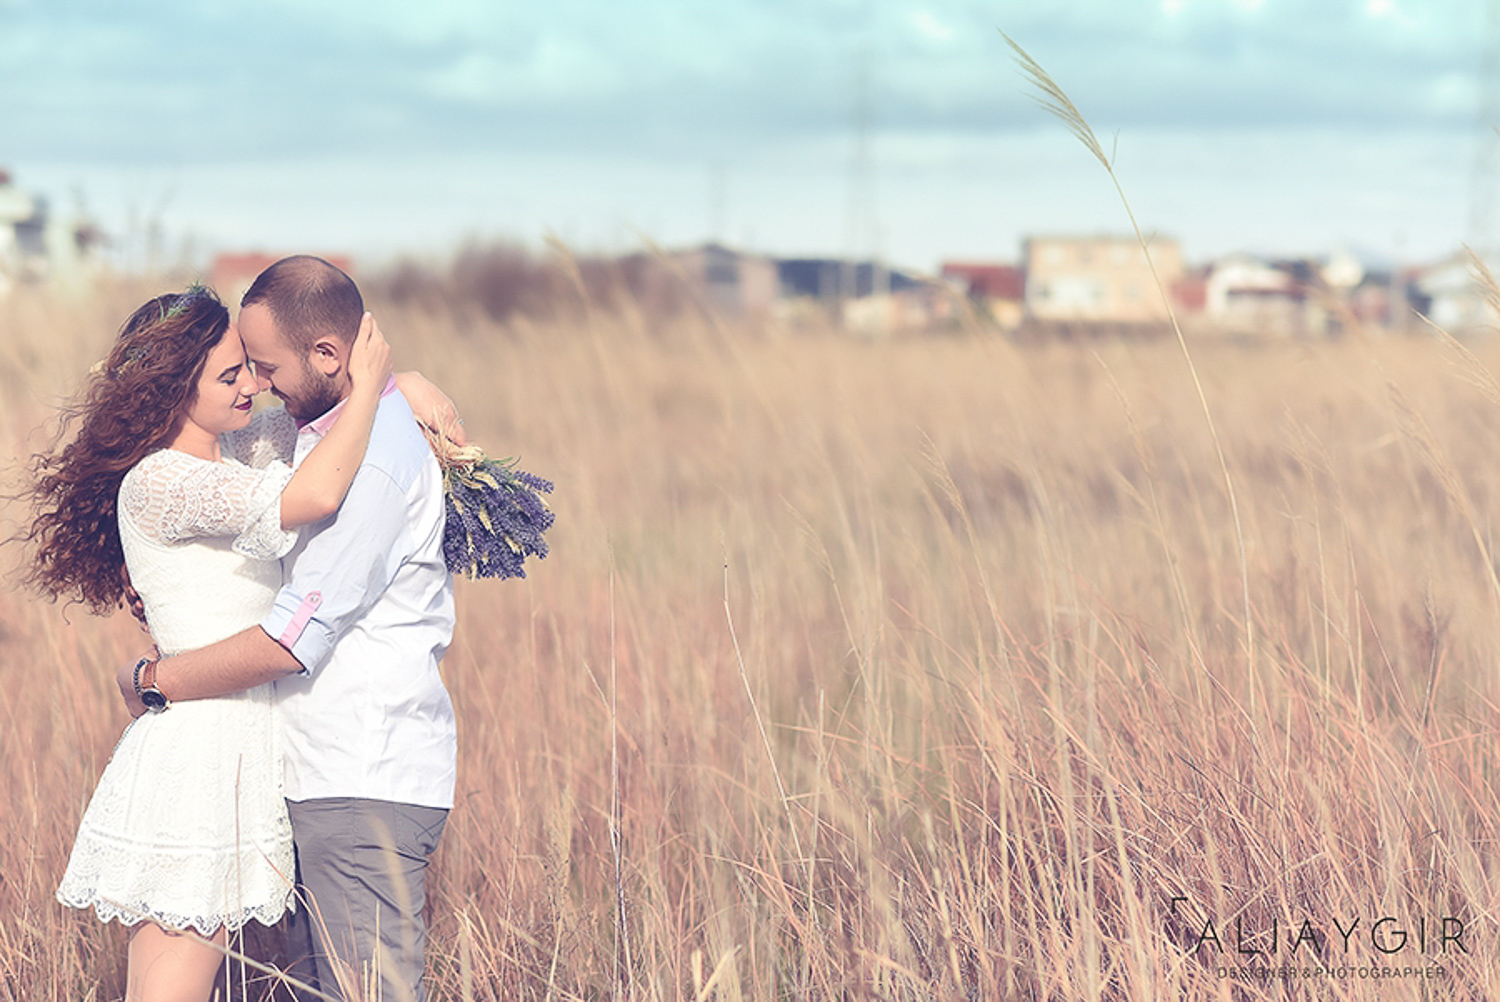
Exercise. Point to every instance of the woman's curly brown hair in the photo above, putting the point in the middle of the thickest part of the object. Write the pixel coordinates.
(133, 405)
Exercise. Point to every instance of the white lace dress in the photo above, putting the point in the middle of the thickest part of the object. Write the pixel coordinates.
(187, 827)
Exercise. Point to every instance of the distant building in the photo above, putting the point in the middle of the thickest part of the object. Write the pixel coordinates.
(232, 274)
(710, 276)
(734, 283)
(1379, 301)
(867, 297)
(1251, 296)
(16, 209)
(829, 279)
(998, 291)
(861, 296)
(1452, 295)
(1190, 292)
(37, 244)
(1098, 279)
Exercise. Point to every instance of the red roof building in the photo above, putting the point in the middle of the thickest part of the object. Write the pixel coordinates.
(988, 281)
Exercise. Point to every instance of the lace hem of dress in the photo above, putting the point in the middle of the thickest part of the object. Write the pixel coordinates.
(181, 886)
(267, 914)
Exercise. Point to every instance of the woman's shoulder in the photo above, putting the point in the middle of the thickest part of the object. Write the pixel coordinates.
(171, 496)
(166, 460)
(271, 434)
(147, 465)
(159, 472)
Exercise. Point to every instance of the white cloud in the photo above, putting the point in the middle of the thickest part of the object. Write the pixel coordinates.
(499, 116)
(553, 68)
(930, 27)
(78, 79)
(423, 23)
(1454, 93)
(1402, 20)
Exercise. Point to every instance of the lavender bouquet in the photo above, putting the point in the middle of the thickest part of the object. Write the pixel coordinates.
(496, 513)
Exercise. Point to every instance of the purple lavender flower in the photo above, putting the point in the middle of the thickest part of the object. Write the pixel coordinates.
(496, 516)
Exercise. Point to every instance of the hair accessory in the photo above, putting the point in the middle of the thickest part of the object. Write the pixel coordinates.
(133, 354)
(185, 301)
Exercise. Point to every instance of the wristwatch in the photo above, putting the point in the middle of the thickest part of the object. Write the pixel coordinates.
(149, 693)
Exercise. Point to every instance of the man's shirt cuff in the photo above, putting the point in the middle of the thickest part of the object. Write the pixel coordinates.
(293, 624)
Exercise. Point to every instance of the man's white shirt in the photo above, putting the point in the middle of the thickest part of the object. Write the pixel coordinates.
(367, 608)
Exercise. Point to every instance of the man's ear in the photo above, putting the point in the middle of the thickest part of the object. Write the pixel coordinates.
(327, 356)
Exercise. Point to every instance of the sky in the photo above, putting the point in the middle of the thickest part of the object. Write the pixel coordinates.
(792, 127)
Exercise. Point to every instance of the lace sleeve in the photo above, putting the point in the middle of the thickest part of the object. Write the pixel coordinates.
(172, 497)
(270, 435)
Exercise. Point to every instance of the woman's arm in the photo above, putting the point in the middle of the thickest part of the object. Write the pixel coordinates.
(318, 487)
(432, 407)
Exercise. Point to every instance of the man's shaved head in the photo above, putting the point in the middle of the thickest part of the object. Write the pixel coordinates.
(308, 298)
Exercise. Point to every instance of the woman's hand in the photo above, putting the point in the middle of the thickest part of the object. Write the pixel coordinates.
(369, 358)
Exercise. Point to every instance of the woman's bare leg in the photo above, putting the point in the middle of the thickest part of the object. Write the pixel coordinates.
(171, 967)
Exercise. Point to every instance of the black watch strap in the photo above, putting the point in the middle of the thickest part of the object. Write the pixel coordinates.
(143, 662)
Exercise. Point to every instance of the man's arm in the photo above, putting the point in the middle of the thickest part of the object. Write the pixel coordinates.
(243, 661)
(343, 568)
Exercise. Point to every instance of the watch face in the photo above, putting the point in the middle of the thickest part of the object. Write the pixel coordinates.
(153, 699)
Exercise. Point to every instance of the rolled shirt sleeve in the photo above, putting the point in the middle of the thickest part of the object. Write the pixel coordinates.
(341, 570)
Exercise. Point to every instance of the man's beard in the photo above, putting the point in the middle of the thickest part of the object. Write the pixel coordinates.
(319, 395)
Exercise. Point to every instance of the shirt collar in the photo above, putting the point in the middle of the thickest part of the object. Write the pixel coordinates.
(319, 425)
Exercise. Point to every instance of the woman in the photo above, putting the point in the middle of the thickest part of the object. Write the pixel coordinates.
(187, 829)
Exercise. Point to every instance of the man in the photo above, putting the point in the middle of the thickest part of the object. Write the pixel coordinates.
(353, 644)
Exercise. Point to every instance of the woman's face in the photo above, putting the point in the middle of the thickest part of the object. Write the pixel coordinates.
(225, 389)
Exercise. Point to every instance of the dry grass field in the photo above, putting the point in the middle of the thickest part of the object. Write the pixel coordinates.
(929, 668)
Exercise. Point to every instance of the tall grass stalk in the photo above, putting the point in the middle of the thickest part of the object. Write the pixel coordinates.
(1056, 101)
